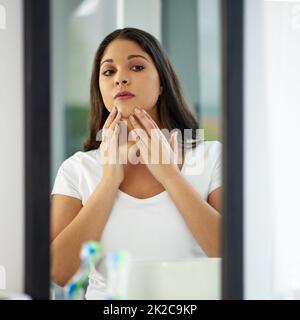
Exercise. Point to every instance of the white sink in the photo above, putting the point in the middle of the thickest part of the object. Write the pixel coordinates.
(196, 279)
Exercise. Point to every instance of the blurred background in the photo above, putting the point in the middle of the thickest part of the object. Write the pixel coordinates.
(189, 31)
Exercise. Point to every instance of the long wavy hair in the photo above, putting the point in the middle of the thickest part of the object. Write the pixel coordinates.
(173, 109)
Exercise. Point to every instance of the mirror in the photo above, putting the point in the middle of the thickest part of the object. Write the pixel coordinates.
(148, 222)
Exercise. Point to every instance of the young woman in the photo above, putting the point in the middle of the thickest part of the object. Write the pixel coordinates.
(160, 210)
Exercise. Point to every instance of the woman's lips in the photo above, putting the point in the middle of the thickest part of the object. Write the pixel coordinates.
(124, 97)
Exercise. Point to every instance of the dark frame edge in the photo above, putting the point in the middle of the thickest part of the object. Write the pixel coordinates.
(37, 146)
(232, 86)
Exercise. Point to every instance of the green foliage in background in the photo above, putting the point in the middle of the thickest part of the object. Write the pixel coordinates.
(76, 118)
(211, 128)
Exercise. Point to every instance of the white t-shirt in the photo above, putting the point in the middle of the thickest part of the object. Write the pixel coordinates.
(151, 228)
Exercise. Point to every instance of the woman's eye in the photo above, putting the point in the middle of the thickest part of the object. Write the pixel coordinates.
(105, 72)
(139, 67)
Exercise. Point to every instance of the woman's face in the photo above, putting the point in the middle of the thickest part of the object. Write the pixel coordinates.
(128, 68)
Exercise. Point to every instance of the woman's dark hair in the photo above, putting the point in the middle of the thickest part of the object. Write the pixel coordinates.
(173, 110)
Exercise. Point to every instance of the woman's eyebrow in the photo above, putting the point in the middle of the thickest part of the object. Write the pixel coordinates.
(131, 56)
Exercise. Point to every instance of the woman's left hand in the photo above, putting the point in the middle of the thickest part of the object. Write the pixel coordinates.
(162, 161)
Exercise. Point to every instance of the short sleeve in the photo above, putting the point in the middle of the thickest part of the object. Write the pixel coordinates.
(67, 180)
(216, 175)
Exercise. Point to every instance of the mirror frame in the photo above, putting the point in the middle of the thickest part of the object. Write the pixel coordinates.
(38, 147)
(232, 23)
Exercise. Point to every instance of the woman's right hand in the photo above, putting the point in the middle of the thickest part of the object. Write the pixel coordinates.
(109, 148)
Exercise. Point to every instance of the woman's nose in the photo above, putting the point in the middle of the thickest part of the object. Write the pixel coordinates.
(121, 78)
(121, 81)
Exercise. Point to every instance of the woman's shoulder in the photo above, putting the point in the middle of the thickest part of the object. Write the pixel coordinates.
(213, 147)
(208, 148)
(213, 152)
(80, 157)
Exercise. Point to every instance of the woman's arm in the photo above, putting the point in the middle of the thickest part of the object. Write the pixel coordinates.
(203, 220)
(80, 224)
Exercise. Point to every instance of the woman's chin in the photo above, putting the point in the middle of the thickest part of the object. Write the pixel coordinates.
(125, 112)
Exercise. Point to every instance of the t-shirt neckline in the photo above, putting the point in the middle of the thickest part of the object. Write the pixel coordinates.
(154, 198)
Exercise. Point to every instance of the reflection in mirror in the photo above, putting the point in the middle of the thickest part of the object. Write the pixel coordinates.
(136, 197)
